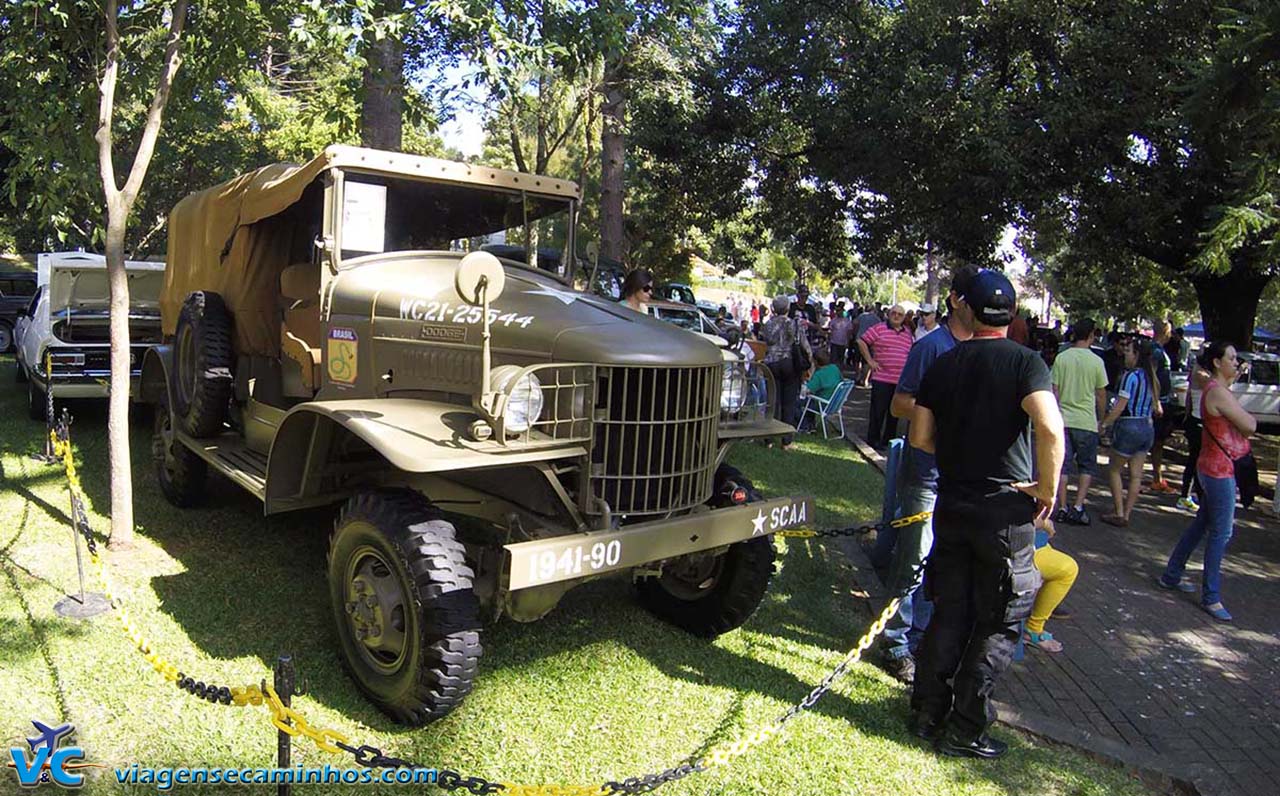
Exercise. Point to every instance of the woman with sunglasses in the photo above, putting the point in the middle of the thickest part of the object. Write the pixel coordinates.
(637, 289)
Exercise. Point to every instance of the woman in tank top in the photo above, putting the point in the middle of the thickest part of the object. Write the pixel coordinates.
(1132, 435)
(1226, 430)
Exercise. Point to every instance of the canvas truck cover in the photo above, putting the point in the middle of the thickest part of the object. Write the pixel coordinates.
(235, 238)
(217, 244)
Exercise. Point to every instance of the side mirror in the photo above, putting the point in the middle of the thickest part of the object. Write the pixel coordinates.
(478, 281)
(479, 278)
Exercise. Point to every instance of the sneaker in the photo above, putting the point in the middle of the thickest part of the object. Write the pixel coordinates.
(1182, 585)
(1081, 516)
(1062, 517)
(1162, 487)
(1217, 612)
(1188, 503)
(984, 746)
(902, 668)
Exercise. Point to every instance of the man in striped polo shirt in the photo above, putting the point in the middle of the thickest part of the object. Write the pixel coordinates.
(885, 347)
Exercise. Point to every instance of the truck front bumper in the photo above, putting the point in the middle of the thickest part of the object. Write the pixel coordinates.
(584, 555)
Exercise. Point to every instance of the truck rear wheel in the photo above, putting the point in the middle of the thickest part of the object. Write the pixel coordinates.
(181, 473)
(408, 621)
(710, 595)
(202, 364)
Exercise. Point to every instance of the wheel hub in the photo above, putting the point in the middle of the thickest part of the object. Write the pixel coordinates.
(375, 608)
(692, 577)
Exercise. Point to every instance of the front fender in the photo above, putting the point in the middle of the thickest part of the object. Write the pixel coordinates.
(414, 436)
(155, 374)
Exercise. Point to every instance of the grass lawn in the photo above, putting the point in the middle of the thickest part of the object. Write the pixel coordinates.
(598, 690)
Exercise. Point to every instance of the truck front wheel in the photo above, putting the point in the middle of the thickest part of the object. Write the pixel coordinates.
(408, 621)
(712, 594)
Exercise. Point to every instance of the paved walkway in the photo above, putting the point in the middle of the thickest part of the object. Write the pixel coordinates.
(1146, 675)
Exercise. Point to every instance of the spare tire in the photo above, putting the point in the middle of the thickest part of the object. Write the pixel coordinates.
(202, 364)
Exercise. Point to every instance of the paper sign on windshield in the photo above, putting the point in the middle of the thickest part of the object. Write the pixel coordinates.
(364, 217)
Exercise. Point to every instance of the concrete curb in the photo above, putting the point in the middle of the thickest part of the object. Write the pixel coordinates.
(1156, 771)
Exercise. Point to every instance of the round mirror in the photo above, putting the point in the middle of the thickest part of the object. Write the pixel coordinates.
(474, 268)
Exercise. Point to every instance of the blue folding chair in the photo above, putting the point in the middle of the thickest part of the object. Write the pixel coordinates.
(825, 408)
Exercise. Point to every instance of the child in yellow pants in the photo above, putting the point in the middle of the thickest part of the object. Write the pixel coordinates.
(1059, 571)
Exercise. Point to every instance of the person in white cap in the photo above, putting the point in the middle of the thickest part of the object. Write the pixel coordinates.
(928, 320)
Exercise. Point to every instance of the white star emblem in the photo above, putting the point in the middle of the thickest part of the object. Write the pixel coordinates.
(757, 525)
(565, 296)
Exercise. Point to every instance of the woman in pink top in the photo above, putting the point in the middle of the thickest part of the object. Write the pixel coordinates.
(1226, 430)
(885, 347)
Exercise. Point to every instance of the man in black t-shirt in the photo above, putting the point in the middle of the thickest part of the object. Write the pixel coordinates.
(974, 410)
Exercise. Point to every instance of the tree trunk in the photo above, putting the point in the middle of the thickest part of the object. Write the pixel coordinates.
(931, 279)
(118, 405)
(613, 154)
(1229, 304)
(382, 113)
(119, 203)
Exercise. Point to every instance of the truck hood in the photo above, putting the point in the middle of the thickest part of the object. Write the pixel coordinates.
(537, 317)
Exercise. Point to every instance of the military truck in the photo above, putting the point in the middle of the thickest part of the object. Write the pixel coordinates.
(334, 336)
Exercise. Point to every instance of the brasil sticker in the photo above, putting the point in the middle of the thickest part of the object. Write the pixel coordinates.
(343, 355)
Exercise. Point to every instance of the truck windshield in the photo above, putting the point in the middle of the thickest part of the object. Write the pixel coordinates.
(387, 214)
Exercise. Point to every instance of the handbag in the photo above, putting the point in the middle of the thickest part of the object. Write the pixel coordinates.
(799, 354)
(1245, 471)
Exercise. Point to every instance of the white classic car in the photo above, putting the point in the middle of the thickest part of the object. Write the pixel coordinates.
(67, 322)
(1258, 390)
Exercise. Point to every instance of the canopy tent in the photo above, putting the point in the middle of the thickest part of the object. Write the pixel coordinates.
(1197, 330)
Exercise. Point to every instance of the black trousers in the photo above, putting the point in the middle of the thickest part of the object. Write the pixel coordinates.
(788, 380)
(883, 426)
(982, 580)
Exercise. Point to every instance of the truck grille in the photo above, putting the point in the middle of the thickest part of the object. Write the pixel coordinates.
(655, 438)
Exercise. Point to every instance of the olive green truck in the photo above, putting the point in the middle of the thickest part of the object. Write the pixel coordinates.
(334, 335)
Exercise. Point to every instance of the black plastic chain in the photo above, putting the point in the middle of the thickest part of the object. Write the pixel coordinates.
(372, 757)
(216, 694)
(917, 577)
(651, 782)
(853, 530)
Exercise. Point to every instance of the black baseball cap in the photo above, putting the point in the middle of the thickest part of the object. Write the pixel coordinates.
(992, 298)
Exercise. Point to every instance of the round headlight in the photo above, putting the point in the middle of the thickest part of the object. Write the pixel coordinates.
(733, 389)
(524, 397)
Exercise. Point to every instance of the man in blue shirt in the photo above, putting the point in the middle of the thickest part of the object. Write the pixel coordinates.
(919, 491)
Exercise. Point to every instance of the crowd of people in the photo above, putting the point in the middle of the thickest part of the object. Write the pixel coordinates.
(1002, 414)
(994, 403)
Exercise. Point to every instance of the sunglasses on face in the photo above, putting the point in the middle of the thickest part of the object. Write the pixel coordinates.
(647, 289)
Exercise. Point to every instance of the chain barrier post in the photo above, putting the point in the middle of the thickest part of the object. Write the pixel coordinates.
(284, 682)
(87, 604)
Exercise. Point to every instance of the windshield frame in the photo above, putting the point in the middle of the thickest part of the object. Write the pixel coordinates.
(568, 256)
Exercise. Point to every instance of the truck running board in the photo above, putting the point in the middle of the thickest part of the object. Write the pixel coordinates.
(230, 456)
